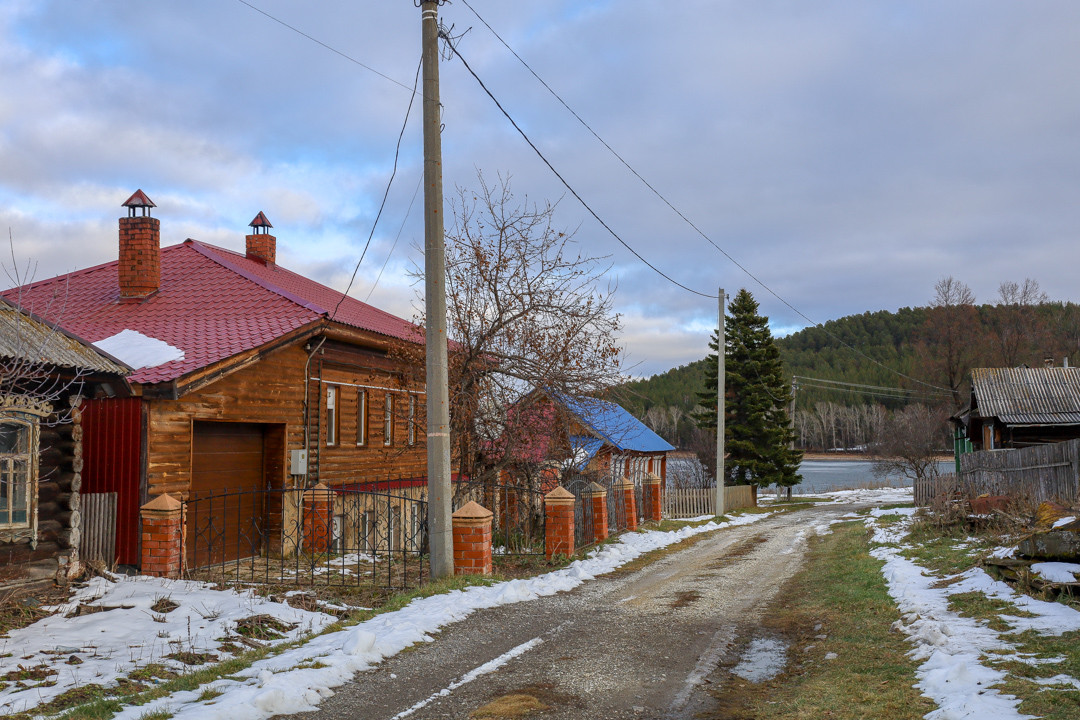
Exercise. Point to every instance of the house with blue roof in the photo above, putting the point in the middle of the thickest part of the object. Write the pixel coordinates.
(606, 439)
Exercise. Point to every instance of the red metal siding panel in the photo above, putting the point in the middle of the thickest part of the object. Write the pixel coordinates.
(112, 445)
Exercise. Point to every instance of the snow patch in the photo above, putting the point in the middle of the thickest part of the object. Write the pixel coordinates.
(1057, 572)
(138, 351)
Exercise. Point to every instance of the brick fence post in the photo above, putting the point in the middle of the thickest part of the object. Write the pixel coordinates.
(318, 505)
(625, 490)
(472, 540)
(162, 537)
(596, 498)
(650, 491)
(559, 522)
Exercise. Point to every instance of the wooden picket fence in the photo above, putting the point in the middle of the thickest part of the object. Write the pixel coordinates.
(1034, 474)
(680, 503)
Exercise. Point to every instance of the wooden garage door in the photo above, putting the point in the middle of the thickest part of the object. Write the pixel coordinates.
(227, 477)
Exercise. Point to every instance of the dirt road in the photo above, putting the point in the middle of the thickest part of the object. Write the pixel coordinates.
(639, 645)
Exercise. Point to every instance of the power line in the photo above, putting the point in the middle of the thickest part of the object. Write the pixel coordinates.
(386, 193)
(674, 209)
(397, 237)
(862, 385)
(567, 185)
(332, 49)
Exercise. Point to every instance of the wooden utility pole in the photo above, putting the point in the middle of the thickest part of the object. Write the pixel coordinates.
(721, 382)
(438, 395)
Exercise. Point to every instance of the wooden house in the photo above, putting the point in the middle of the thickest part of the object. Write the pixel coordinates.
(45, 377)
(246, 377)
(1021, 407)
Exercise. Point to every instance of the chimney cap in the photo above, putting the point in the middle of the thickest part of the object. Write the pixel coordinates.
(138, 200)
(260, 221)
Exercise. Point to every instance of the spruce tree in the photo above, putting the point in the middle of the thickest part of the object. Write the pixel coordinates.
(757, 435)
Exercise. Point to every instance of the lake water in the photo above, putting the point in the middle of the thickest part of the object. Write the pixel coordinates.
(826, 475)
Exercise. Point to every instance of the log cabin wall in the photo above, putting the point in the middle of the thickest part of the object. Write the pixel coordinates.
(357, 378)
(271, 392)
(55, 553)
(268, 392)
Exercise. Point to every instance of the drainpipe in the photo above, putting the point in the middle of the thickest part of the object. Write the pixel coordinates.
(307, 395)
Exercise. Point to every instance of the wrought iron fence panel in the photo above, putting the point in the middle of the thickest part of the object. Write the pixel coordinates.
(343, 536)
(517, 522)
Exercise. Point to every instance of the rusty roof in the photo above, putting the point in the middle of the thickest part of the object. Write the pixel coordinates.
(1028, 396)
(25, 336)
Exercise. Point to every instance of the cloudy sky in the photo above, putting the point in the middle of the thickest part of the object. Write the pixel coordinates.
(848, 154)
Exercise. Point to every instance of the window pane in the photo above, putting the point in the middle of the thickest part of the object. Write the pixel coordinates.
(13, 438)
(361, 417)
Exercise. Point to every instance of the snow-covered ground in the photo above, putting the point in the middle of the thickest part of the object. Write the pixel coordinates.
(101, 647)
(112, 643)
(953, 648)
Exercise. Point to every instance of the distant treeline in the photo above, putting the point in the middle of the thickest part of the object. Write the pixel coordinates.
(921, 354)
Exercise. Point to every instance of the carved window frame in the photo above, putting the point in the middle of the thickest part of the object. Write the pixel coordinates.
(27, 420)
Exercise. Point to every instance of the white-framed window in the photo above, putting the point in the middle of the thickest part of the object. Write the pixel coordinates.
(388, 420)
(361, 416)
(18, 450)
(331, 415)
(412, 419)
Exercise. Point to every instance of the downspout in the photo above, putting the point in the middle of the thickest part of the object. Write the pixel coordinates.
(307, 395)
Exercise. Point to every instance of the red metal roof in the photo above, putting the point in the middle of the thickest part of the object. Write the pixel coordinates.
(212, 304)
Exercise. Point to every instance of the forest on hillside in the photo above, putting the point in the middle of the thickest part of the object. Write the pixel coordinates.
(851, 373)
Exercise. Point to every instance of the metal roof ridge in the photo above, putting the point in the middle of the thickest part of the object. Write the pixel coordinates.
(210, 251)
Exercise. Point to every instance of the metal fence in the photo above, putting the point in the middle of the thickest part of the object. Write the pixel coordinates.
(1034, 474)
(517, 523)
(279, 536)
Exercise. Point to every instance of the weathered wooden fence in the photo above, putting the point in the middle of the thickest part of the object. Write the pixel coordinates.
(695, 502)
(1035, 474)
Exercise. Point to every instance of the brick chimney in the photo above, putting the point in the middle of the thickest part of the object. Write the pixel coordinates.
(261, 245)
(140, 249)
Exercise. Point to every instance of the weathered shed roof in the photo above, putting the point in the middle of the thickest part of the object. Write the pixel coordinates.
(25, 336)
(1028, 396)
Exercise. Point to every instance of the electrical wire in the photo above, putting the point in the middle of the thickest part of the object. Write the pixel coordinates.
(678, 212)
(567, 185)
(861, 385)
(332, 49)
(386, 193)
(397, 237)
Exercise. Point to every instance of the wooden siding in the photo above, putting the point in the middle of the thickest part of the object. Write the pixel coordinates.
(271, 392)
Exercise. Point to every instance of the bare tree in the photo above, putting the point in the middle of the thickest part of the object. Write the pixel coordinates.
(948, 344)
(909, 442)
(526, 312)
(1016, 325)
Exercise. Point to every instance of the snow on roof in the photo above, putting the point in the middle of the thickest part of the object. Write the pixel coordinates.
(139, 351)
(212, 304)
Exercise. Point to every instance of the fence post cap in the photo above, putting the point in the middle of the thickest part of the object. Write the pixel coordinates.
(595, 488)
(559, 496)
(625, 482)
(652, 479)
(472, 510)
(163, 503)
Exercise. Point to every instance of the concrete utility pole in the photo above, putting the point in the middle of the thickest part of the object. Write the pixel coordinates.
(791, 423)
(440, 524)
(721, 382)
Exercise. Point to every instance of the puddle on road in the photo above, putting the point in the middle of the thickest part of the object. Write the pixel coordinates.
(762, 660)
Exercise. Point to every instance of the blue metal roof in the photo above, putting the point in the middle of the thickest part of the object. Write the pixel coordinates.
(584, 449)
(613, 424)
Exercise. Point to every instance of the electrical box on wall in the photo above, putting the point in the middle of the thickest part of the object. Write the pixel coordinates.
(298, 462)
